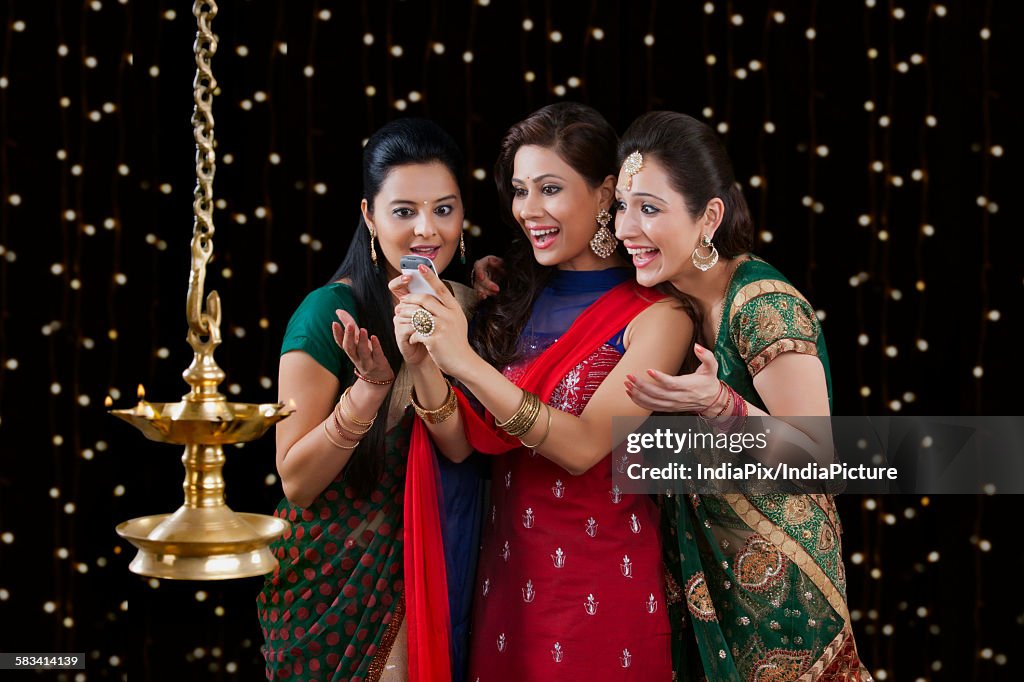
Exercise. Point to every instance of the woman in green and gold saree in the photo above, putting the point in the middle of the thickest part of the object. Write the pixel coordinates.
(340, 606)
(760, 580)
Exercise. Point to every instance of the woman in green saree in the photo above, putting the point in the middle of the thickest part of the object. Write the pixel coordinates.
(761, 583)
(335, 609)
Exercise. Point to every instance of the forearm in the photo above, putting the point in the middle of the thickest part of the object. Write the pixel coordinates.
(793, 440)
(431, 393)
(315, 460)
(570, 442)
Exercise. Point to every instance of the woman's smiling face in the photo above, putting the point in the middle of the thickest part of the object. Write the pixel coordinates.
(556, 208)
(417, 210)
(654, 222)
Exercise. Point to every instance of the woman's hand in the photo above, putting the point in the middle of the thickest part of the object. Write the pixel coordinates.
(696, 392)
(486, 273)
(448, 342)
(414, 353)
(361, 348)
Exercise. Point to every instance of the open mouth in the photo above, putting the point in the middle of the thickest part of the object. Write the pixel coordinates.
(543, 236)
(428, 251)
(642, 255)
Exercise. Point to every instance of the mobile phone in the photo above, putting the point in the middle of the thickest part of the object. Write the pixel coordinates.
(409, 265)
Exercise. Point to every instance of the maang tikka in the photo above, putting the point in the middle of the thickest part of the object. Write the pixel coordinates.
(633, 164)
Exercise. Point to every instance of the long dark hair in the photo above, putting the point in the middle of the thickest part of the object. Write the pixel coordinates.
(698, 168)
(401, 142)
(582, 137)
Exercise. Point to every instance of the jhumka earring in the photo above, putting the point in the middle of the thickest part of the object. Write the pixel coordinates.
(462, 248)
(603, 242)
(704, 262)
(373, 251)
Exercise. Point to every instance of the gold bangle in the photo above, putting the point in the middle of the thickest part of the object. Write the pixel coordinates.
(529, 418)
(375, 382)
(345, 432)
(339, 424)
(348, 414)
(525, 417)
(522, 403)
(327, 434)
(442, 414)
(547, 432)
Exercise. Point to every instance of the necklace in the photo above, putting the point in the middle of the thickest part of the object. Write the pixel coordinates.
(725, 294)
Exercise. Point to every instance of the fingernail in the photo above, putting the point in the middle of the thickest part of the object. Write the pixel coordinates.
(698, 347)
(406, 279)
(424, 269)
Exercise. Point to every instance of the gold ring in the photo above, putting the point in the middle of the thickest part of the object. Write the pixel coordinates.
(423, 322)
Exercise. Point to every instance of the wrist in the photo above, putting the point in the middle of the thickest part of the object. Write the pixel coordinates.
(467, 367)
(371, 393)
(374, 380)
(716, 403)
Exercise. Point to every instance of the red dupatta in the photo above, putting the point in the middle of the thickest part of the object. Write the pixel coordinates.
(426, 584)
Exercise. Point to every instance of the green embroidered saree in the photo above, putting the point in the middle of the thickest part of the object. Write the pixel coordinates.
(762, 588)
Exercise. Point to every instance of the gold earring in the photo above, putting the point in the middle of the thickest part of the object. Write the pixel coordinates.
(462, 248)
(704, 262)
(603, 242)
(373, 251)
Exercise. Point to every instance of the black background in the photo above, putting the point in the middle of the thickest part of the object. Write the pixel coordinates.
(955, 618)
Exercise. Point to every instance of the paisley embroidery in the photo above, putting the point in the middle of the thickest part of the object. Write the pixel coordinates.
(770, 323)
(803, 322)
(797, 510)
(826, 538)
(761, 565)
(780, 665)
(698, 599)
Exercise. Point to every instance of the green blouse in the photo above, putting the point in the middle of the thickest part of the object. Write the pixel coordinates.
(763, 317)
(309, 328)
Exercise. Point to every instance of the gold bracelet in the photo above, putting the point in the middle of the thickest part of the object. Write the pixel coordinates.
(525, 417)
(348, 414)
(327, 434)
(345, 432)
(529, 418)
(515, 421)
(442, 414)
(522, 403)
(338, 423)
(547, 431)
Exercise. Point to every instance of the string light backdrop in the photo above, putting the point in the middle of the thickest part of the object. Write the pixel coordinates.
(872, 139)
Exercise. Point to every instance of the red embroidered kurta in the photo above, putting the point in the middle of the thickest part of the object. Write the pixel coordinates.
(570, 583)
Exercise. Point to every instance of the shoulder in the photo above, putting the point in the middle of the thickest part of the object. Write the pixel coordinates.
(328, 297)
(309, 329)
(768, 316)
(665, 318)
(757, 283)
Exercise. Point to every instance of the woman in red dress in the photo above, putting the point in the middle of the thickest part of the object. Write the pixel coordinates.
(570, 583)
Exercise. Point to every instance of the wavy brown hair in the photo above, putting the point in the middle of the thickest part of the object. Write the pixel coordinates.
(582, 138)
